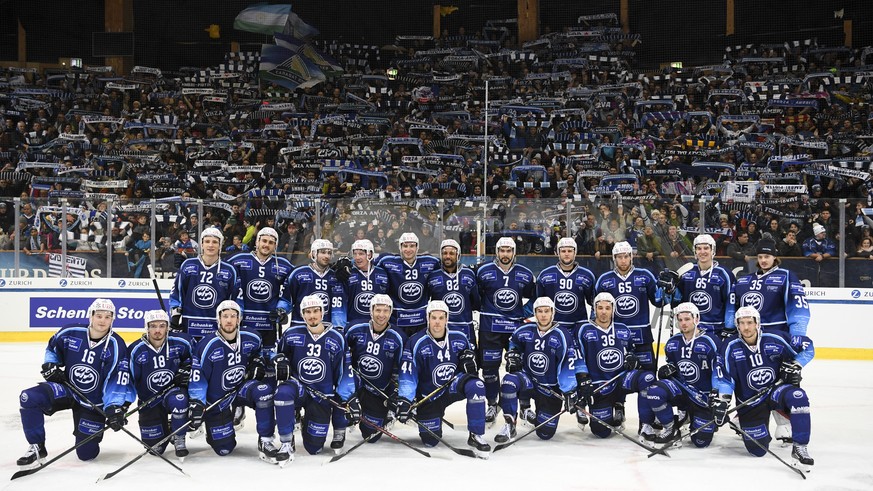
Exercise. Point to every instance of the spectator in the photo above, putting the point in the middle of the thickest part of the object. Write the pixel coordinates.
(675, 249)
(819, 247)
(649, 245)
(185, 248)
(237, 246)
(865, 249)
(789, 247)
(741, 249)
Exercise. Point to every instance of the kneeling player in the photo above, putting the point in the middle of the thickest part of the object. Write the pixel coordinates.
(230, 360)
(431, 359)
(686, 380)
(605, 352)
(539, 360)
(765, 368)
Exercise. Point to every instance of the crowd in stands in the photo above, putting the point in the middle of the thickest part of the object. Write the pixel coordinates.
(575, 142)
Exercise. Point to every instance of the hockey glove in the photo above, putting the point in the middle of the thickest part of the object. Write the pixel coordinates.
(115, 417)
(719, 407)
(630, 361)
(195, 414)
(51, 372)
(391, 401)
(571, 397)
(584, 389)
(404, 409)
(283, 368)
(513, 361)
(343, 269)
(668, 280)
(183, 375)
(278, 317)
(176, 319)
(667, 371)
(789, 372)
(354, 410)
(467, 362)
(727, 334)
(256, 370)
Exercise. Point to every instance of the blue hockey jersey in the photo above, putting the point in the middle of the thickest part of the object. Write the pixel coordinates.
(632, 293)
(153, 370)
(712, 292)
(548, 357)
(698, 361)
(199, 289)
(406, 287)
(375, 357)
(570, 291)
(360, 289)
(261, 286)
(220, 366)
(779, 298)
(601, 352)
(321, 362)
(460, 293)
(305, 281)
(428, 364)
(503, 294)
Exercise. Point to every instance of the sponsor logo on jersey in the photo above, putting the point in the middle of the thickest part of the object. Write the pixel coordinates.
(689, 371)
(232, 377)
(311, 370)
(752, 299)
(85, 377)
(505, 299)
(159, 379)
(455, 302)
(760, 377)
(566, 302)
(370, 366)
(538, 363)
(627, 306)
(260, 291)
(799, 409)
(362, 303)
(443, 373)
(702, 300)
(610, 359)
(204, 296)
(410, 292)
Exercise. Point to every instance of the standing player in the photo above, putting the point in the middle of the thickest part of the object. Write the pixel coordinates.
(435, 357)
(456, 286)
(760, 361)
(376, 348)
(160, 359)
(201, 284)
(228, 362)
(316, 279)
(710, 288)
(540, 359)
(97, 361)
(569, 285)
(605, 349)
(686, 380)
(313, 356)
(503, 286)
(407, 273)
(364, 281)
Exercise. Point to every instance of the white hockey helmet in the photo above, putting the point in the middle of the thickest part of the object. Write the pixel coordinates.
(407, 237)
(450, 243)
(228, 305)
(505, 242)
(213, 232)
(704, 239)
(622, 247)
(317, 245)
(381, 299)
(364, 245)
(158, 315)
(748, 311)
(310, 301)
(269, 232)
(565, 242)
(543, 302)
(101, 304)
(435, 305)
(687, 307)
(604, 297)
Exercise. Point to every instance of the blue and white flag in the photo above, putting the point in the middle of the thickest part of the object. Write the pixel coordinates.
(286, 68)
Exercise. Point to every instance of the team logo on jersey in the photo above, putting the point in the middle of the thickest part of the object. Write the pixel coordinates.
(159, 379)
(362, 303)
(311, 370)
(703, 301)
(85, 377)
(260, 291)
(610, 359)
(538, 363)
(455, 302)
(752, 299)
(566, 302)
(410, 292)
(760, 377)
(325, 300)
(204, 296)
(627, 306)
(443, 373)
(505, 299)
(232, 377)
(370, 366)
(689, 371)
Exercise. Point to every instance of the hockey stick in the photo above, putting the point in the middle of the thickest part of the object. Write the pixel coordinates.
(435, 392)
(158, 292)
(660, 322)
(762, 447)
(376, 427)
(355, 446)
(133, 411)
(167, 438)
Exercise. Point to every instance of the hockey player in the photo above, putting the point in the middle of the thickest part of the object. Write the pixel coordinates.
(312, 356)
(376, 347)
(569, 285)
(435, 357)
(456, 286)
(605, 349)
(710, 288)
(407, 273)
(227, 362)
(365, 280)
(97, 365)
(201, 284)
(503, 286)
(316, 279)
(539, 362)
(158, 360)
(760, 361)
(693, 365)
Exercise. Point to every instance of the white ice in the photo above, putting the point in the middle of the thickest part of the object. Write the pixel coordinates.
(841, 393)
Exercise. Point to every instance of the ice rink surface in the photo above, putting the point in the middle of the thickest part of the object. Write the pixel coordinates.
(841, 395)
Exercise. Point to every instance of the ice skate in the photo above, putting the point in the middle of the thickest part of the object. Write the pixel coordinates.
(339, 439)
(507, 432)
(801, 457)
(480, 447)
(267, 450)
(286, 453)
(33, 457)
